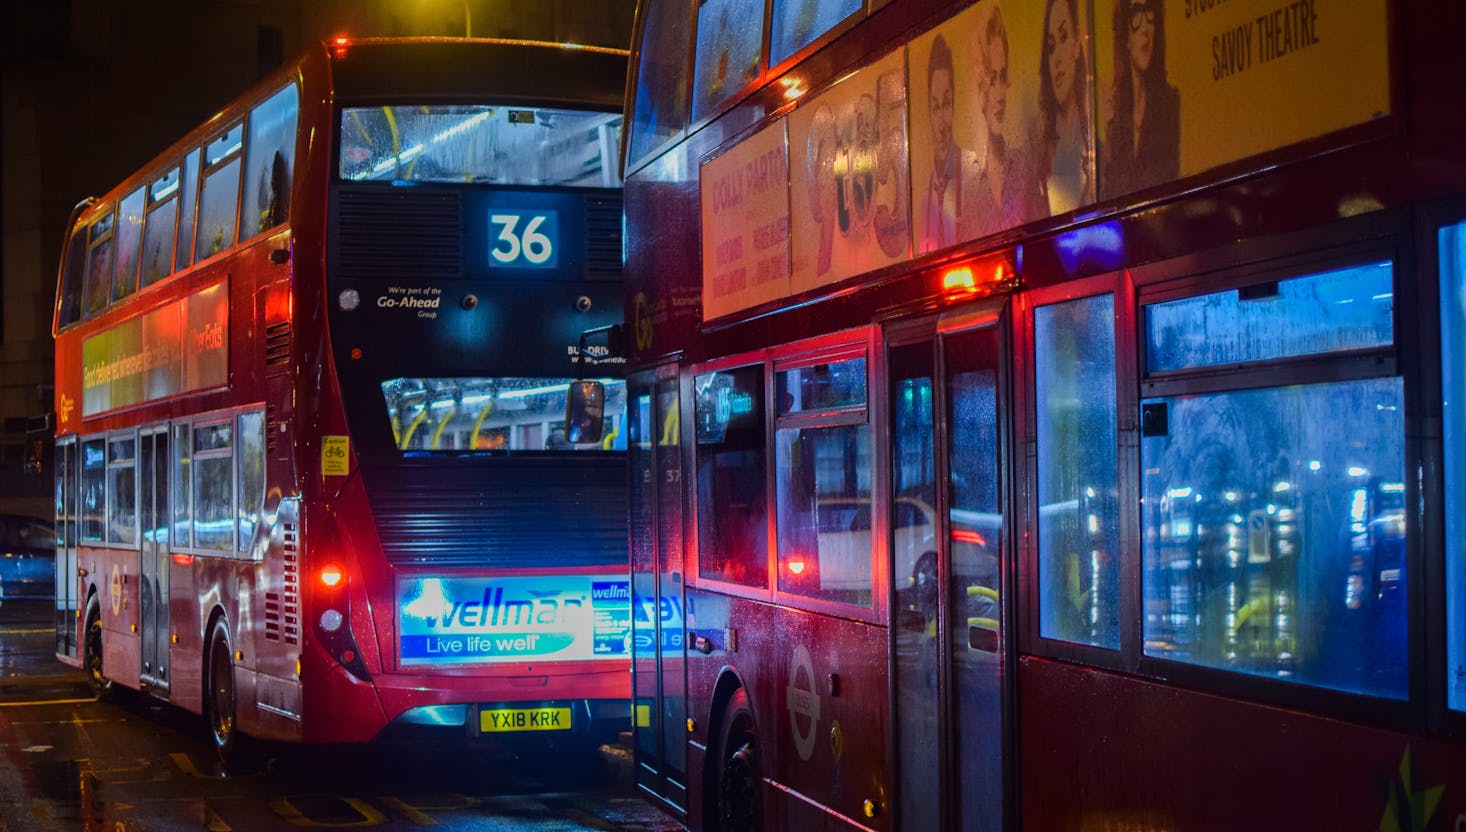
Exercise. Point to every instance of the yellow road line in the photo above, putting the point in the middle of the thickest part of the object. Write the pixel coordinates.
(10, 632)
(46, 702)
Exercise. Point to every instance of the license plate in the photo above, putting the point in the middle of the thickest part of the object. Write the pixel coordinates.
(499, 720)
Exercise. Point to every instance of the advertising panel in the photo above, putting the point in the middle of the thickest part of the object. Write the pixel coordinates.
(745, 222)
(177, 348)
(444, 621)
(850, 208)
(1188, 85)
(999, 121)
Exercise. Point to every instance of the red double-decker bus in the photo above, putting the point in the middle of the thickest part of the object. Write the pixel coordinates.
(311, 368)
(1060, 424)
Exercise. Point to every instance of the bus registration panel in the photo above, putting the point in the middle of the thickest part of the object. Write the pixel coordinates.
(500, 720)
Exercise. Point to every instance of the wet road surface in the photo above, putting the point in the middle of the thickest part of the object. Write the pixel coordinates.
(69, 763)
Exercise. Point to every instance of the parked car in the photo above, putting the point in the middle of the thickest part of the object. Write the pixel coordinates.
(27, 557)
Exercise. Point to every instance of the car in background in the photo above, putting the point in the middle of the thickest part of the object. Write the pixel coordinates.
(27, 557)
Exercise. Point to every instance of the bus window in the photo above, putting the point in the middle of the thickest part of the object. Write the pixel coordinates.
(480, 144)
(494, 414)
(730, 36)
(99, 263)
(1273, 518)
(93, 490)
(251, 475)
(129, 241)
(661, 83)
(1078, 471)
(219, 199)
(269, 163)
(182, 533)
(732, 525)
(1453, 389)
(823, 484)
(186, 195)
(122, 489)
(73, 277)
(213, 487)
(797, 23)
(158, 231)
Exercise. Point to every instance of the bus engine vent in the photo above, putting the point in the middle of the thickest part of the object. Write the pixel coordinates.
(277, 344)
(389, 233)
(603, 234)
(282, 609)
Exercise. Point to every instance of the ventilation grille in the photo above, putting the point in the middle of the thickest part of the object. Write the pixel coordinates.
(272, 428)
(389, 233)
(501, 512)
(277, 344)
(603, 234)
(282, 609)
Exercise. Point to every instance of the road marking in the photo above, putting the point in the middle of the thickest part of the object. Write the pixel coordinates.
(6, 631)
(48, 702)
(214, 823)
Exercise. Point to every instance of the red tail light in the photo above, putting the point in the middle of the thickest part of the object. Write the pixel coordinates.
(331, 575)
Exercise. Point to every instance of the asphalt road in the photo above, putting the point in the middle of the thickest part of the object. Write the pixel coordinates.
(68, 763)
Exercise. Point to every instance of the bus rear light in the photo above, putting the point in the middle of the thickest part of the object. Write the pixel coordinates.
(338, 47)
(348, 656)
(331, 620)
(331, 575)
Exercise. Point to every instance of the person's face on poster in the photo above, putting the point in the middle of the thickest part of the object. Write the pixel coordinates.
(941, 106)
(1141, 40)
(1062, 44)
(995, 85)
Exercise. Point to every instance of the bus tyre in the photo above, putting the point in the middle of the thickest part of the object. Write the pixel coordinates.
(103, 688)
(740, 807)
(219, 702)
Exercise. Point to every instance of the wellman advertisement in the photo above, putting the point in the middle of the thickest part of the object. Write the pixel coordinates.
(513, 619)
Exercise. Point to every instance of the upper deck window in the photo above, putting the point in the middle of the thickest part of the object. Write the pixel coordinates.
(797, 23)
(220, 200)
(129, 240)
(492, 414)
(730, 36)
(485, 144)
(269, 162)
(661, 77)
(99, 262)
(158, 232)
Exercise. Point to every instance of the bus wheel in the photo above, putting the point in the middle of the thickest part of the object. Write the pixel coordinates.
(219, 704)
(740, 808)
(103, 688)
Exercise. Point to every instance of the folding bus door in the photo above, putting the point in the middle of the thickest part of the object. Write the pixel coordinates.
(67, 496)
(153, 517)
(945, 428)
(659, 680)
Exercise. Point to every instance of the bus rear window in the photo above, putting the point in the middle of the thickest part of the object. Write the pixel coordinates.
(493, 414)
(480, 144)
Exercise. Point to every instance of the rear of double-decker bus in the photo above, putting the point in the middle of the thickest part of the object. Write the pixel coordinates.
(467, 564)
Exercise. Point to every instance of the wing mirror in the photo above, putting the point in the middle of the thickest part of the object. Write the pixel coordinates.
(585, 404)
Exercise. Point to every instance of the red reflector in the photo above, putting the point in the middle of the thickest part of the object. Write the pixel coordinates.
(331, 575)
(183, 560)
(348, 656)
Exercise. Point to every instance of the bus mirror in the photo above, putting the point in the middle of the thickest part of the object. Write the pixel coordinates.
(584, 407)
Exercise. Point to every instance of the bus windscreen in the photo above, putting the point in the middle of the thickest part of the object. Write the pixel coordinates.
(480, 144)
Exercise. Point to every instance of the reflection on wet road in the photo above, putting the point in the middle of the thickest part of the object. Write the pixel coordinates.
(69, 763)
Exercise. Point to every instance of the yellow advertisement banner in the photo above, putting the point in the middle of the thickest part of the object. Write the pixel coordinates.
(1188, 85)
(745, 224)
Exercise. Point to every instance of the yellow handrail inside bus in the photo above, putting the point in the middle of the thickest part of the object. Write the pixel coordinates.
(412, 428)
(361, 128)
(443, 423)
(478, 423)
(396, 138)
(609, 441)
(396, 431)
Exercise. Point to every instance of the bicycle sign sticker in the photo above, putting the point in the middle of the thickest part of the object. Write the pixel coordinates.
(334, 452)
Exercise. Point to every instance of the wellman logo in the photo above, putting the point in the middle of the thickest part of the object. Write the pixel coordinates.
(616, 591)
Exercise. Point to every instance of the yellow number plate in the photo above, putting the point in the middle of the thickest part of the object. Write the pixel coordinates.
(500, 720)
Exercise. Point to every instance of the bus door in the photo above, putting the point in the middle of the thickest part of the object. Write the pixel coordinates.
(67, 495)
(153, 515)
(659, 680)
(946, 383)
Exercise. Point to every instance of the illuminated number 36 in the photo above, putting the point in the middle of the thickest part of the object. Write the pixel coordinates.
(532, 245)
